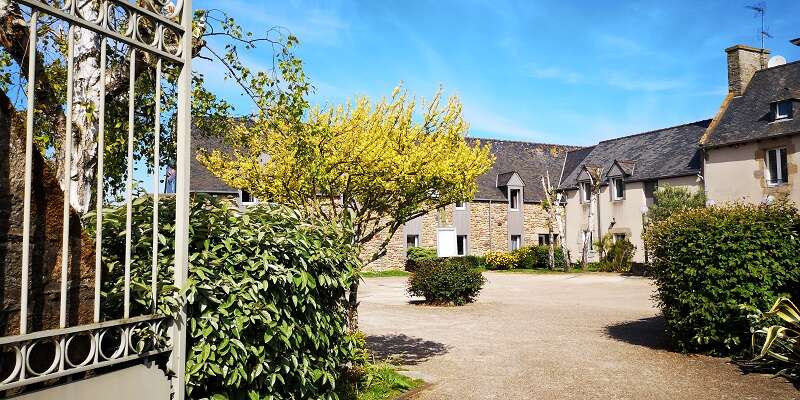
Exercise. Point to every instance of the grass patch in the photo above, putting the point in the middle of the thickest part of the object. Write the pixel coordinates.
(384, 382)
(384, 274)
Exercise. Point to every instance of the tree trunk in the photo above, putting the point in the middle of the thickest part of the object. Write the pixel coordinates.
(85, 105)
(352, 306)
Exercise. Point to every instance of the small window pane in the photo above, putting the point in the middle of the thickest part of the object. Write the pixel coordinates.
(462, 244)
(412, 241)
(516, 242)
(459, 204)
(246, 197)
(783, 109)
(772, 165)
(619, 189)
(513, 199)
(784, 176)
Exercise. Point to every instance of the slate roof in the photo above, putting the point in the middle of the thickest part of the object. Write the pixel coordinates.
(668, 152)
(748, 117)
(202, 180)
(530, 160)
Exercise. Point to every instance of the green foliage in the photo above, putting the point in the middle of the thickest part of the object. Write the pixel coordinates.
(390, 273)
(417, 255)
(475, 261)
(708, 262)
(618, 255)
(446, 281)
(780, 344)
(383, 382)
(501, 261)
(672, 199)
(265, 296)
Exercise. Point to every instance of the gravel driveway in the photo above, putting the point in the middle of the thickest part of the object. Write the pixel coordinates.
(553, 336)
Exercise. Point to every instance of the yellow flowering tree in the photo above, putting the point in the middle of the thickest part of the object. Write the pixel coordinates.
(374, 165)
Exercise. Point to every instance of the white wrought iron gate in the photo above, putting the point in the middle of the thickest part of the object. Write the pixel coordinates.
(110, 341)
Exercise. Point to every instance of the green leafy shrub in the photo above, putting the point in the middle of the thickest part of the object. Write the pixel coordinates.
(265, 308)
(446, 281)
(528, 257)
(416, 256)
(709, 262)
(618, 257)
(673, 199)
(475, 261)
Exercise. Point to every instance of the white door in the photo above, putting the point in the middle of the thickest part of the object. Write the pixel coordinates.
(446, 243)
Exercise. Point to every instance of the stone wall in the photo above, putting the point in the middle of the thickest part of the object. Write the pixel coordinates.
(488, 232)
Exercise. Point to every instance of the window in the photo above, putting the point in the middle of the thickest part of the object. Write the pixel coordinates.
(516, 242)
(782, 109)
(619, 237)
(776, 166)
(412, 241)
(245, 198)
(586, 192)
(460, 205)
(513, 199)
(544, 239)
(618, 189)
(461, 242)
(650, 188)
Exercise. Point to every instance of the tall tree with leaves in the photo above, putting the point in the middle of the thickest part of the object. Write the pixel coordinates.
(372, 165)
(552, 204)
(595, 174)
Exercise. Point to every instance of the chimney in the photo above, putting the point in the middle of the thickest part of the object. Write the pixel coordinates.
(743, 62)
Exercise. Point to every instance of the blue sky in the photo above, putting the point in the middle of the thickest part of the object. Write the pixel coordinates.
(571, 72)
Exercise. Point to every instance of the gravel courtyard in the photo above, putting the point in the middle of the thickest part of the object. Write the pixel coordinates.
(552, 336)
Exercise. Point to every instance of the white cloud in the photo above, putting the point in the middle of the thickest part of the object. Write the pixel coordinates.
(484, 120)
(556, 73)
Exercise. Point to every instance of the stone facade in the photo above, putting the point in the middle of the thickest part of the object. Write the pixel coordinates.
(743, 62)
(488, 231)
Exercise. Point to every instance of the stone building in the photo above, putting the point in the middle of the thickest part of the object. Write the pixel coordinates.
(505, 214)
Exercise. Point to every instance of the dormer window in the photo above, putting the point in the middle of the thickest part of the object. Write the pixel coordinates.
(513, 199)
(460, 205)
(586, 192)
(618, 189)
(782, 109)
(246, 199)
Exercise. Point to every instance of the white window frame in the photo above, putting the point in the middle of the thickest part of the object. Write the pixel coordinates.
(462, 206)
(514, 205)
(619, 236)
(515, 242)
(614, 194)
(465, 247)
(788, 114)
(253, 200)
(774, 156)
(585, 192)
(416, 241)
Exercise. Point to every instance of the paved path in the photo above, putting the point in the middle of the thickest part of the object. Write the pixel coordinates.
(593, 336)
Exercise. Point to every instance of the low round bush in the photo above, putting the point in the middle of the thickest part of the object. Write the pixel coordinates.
(711, 264)
(446, 281)
(618, 257)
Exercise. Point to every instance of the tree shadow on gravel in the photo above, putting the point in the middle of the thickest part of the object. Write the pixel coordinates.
(647, 332)
(402, 349)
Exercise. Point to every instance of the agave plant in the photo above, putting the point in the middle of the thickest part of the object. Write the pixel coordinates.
(781, 343)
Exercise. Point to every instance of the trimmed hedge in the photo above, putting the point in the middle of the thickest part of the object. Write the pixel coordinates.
(265, 308)
(446, 281)
(711, 264)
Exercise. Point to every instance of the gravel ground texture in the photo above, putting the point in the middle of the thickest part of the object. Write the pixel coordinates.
(550, 336)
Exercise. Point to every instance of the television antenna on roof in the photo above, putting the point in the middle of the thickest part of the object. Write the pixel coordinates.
(761, 10)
